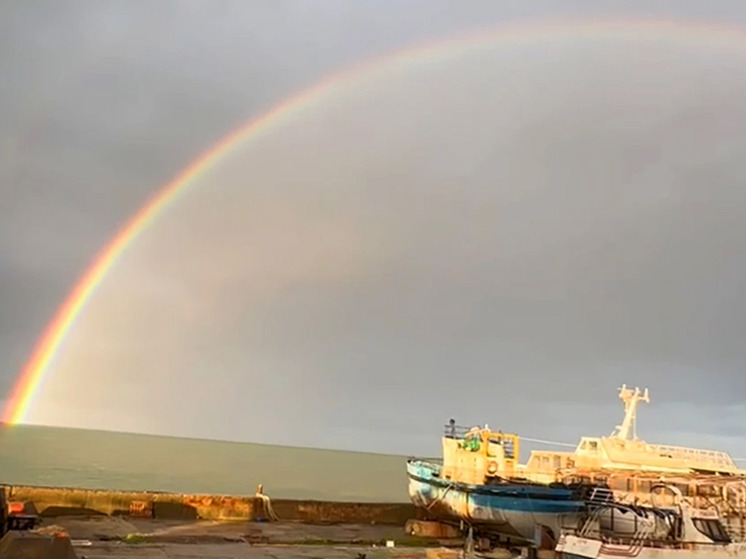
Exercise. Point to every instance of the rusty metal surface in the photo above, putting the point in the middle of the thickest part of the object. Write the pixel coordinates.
(431, 529)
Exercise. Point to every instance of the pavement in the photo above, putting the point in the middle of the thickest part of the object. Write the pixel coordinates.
(120, 538)
(241, 551)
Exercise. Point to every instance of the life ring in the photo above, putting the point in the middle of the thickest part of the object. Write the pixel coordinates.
(492, 468)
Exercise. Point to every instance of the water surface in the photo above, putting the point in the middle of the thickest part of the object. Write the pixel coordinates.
(54, 456)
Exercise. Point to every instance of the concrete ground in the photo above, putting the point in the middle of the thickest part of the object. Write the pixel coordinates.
(119, 538)
(100, 550)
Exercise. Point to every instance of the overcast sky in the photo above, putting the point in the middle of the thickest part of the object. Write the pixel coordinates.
(502, 235)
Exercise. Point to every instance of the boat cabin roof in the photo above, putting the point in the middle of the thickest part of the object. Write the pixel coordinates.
(588, 445)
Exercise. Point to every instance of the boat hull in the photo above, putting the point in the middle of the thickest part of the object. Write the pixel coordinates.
(515, 511)
(575, 547)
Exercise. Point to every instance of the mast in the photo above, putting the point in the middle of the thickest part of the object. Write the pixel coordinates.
(630, 398)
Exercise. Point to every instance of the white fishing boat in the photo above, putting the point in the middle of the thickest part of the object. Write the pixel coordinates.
(624, 450)
(670, 527)
(480, 481)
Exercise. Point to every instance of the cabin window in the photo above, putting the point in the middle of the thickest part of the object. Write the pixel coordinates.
(711, 528)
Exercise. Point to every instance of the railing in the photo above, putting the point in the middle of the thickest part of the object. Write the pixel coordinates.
(644, 527)
(642, 537)
(736, 528)
(455, 431)
(709, 457)
(506, 440)
(600, 496)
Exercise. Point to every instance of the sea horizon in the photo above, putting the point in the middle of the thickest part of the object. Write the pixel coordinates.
(100, 459)
(5, 425)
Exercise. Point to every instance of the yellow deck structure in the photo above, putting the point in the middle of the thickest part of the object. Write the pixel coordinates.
(479, 455)
(623, 450)
(482, 456)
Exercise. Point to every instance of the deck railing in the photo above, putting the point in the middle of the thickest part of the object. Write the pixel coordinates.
(696, 455)
(455, 431)
(460, 431)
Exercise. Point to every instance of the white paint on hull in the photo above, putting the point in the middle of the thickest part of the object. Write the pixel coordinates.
(575, 547)
(521, 525)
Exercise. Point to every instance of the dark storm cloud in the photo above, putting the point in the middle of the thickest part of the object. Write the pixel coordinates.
(105, 103)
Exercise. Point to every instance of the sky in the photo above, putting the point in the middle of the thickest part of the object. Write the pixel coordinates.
(502, 235)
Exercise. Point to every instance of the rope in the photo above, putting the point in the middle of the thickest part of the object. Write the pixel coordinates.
(271, 510)
(267, 507)
(542, 441)
(440, 498)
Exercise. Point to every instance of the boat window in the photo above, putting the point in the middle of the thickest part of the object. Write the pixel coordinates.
(509, 451)
(711, 528)
(593, 445)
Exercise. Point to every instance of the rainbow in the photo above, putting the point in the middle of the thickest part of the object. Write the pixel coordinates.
(32, 376)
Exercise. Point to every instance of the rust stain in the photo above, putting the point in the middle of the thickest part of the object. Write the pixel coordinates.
(141, 509)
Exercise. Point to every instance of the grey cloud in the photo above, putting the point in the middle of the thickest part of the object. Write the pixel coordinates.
(320, 278)
(536, 223)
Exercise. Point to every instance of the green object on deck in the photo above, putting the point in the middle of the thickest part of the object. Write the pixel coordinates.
(471, 444)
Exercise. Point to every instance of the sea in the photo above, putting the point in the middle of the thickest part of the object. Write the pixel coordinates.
(63, 457)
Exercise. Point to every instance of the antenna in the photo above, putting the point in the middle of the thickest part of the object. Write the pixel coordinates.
(630, 398)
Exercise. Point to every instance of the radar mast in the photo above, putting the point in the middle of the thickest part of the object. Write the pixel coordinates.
(630, 398)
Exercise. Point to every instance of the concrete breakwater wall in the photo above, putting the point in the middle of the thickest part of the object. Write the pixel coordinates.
(52, 501)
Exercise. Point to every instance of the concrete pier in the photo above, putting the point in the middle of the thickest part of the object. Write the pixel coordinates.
(55, 501)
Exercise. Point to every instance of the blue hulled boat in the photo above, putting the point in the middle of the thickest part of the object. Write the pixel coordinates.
(479, 482)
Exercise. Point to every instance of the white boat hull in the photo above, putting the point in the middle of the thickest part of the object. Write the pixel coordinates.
(575, 547)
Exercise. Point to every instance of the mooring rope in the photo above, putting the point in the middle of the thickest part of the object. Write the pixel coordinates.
(543, 441)
(270, 510)
(260, 497)
(440, 497)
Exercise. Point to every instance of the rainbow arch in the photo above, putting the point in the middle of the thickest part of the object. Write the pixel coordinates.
(35, 370)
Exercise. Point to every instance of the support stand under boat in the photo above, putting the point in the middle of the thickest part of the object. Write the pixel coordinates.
(475, 542)
(469, 543)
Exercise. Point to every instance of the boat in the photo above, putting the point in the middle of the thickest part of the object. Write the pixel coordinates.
(480, 481)
(507, 512)
(671, 529)
(624, 450)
